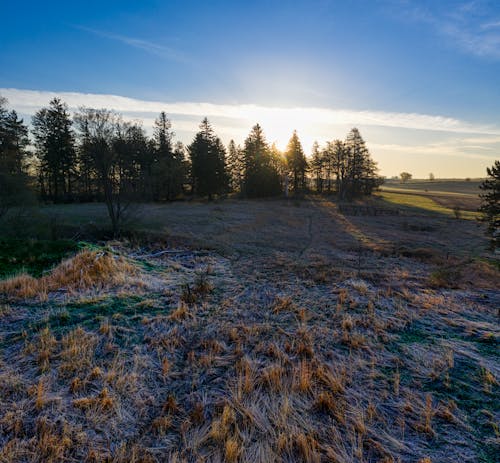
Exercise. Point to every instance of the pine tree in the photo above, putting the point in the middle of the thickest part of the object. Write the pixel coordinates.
(361, 171)
(181, 167)
(296, 162)
(261, 176)
(14, 190)
(235, 167)
(167, 180)
(278, 163)
(208, 162)
(55, 147)
(490, 204)
(13, 140)
(328, 161)
(339, 165)
(317, 161)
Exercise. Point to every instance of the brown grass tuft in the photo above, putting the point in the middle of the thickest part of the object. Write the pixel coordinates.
(273, 377)
(161, 425)
(325, 403)
(282, 304)
(307, 448)
(302, 377)
(102, 401)
(40, 395)
(231, 450)
(87, 269)
(181, 312)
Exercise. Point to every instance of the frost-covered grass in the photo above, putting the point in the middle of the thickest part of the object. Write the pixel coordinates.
(260, 331)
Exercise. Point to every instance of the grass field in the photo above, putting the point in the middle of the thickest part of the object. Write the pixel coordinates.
(466, 187)
(254, 331)
(447, 194)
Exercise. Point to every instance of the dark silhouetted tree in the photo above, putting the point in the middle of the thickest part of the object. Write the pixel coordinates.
(405, 177)
(317, 164)
(261, 175)
(296, 162)
(168, 170)
(235, 167)
(105, 140)
(361, 171)
(490, 204)
(208, 162)
(340, 165)
(14, 189)
(278, 163)
(55, 148)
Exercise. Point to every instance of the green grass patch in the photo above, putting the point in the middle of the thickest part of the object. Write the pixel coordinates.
(466, 388)
(460, 187)
(33, 256)
(424, 203)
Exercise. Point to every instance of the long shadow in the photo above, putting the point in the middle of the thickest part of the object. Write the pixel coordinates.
(358, 236)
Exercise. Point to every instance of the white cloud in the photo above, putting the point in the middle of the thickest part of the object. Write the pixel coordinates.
(470, 26)
(301, 118)
(491, 25)
(454, 149)
(150, 47)
(466, 147)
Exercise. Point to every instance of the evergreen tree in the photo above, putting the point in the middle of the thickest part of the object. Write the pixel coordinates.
(130, 147)
(317, 162)
(88, 181)
(328, 161)
(360, 170)
(14, 190)
(208, 162)
(339, 165)
(278, 163)
(490, 204)
(261, 175)
(55, 147)
(296, 162)
(167, 168)
(13, 141)
(181, 166)
(235, 167)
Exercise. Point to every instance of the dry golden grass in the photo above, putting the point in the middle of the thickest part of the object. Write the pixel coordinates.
(181, 312)
(86, 270)
(286, 355)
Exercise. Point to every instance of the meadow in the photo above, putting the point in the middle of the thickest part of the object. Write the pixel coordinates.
(297, 330)
(462, 195)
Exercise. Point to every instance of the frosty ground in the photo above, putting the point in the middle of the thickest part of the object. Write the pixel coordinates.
(258, 331)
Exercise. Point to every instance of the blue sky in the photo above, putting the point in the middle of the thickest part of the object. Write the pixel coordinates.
(419, 78)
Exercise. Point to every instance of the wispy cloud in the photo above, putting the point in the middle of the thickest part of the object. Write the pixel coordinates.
(492, 25)
(473, 27)
(455, 149)
(152, 48)
(464, 148)
(28, 101)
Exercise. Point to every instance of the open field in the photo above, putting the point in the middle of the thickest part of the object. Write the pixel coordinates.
(256, 331)
(449, 194)
(439, 185)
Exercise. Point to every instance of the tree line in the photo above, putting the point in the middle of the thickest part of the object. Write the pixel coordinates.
(95, 155)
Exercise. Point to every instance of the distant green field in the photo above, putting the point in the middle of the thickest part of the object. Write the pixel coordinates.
(442, 196)
(437, 186)
(425, 204)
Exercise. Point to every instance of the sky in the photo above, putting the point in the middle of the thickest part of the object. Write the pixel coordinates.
(420, 79)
